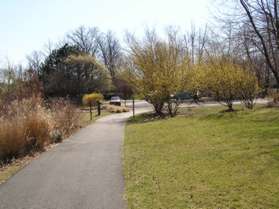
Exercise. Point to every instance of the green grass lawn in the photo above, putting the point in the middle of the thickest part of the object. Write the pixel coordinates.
(204, 159)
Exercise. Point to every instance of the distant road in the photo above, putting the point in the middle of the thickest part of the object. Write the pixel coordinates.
(139, 104)
(144, 104)
(212, 104)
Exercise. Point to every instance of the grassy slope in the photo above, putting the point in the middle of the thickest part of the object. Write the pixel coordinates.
(206, 160)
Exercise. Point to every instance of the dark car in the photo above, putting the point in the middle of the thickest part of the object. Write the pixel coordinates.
(183, 96)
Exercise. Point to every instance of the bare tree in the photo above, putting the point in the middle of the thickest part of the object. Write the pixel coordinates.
(85, 39)
(255, 60)
(110, 52)
(35, 60)
(48, 48)
(263, 19)
(251, 36)
(195, 42)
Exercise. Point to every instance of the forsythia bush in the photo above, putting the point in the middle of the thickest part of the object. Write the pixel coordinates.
(91, 100)
(226, 82)
(160, 71)
(248, 89)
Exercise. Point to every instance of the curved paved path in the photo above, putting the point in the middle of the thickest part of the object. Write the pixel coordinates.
(84, 172)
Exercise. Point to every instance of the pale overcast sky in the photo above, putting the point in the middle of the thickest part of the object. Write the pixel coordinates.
(26, 25)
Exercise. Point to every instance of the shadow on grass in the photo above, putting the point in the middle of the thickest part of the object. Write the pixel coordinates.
(214, 113)
(146, 117)
(197, 112)
(223, 114)
(208, 113)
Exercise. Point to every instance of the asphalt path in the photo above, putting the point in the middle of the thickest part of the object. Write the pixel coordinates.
(84, 172)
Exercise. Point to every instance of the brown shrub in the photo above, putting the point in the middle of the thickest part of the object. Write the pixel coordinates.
(274, 96)
(24, 127)
(116, 109)
(28, 126)
(21, 87)
(66, 117)
(38, 128)
(12, 138)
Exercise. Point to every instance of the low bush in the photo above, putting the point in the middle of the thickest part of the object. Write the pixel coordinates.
(273, 95)
(91, 100)
(24, 127)
(12, 138)
(116, 109)
(66, 118)
(29, 126)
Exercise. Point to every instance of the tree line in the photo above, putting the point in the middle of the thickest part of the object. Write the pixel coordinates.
(252, 28)
(86, 61)
(238, 60)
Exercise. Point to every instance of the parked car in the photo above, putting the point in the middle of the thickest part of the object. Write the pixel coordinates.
(115, 100)
(183, 96)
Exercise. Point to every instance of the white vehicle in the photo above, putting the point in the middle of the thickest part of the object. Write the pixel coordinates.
(115, 100)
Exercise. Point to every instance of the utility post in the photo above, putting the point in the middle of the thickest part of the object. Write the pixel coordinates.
(133, 107)
(99, 107)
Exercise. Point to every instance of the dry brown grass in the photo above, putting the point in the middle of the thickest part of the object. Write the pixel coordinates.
(66, 117)
(29, 126)
(12, 138)
(24, 127)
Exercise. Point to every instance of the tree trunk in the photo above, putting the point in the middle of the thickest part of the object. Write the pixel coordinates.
(99, 108)
(173, 107)
(158, 107)
(230, 107)
(90, 109)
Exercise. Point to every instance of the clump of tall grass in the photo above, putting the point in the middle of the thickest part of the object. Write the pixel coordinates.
(28, 125)
(24, 127)
(66, 116)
